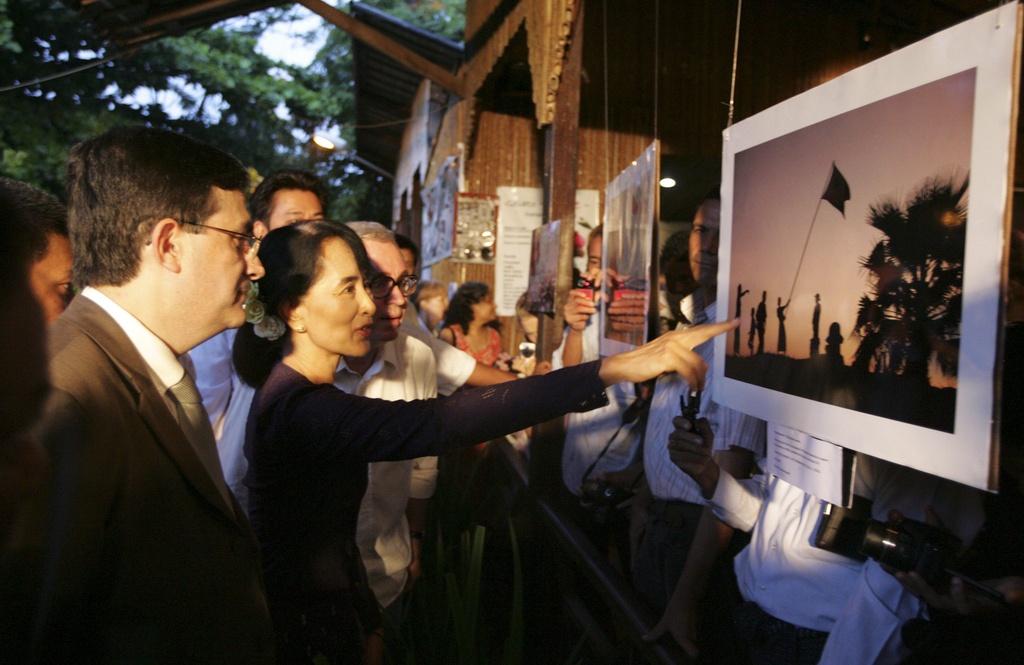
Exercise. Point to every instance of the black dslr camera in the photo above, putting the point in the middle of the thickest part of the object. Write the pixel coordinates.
(904, 544)
(599, 493)
(601, 498)
(909, 545)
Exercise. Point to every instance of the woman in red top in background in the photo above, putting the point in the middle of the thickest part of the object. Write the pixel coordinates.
(471, 324)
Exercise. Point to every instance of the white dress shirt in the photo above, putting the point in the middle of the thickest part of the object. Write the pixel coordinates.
(586, 434)
(403, 371)
(165, 369)
(730, 428)
(788, 577)
(454, 367)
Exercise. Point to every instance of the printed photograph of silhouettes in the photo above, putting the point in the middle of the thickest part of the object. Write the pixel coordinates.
(848, 256)
(864, 258)
(626, 254)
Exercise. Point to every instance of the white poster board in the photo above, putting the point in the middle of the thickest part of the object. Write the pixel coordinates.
(520, 211)
(857, 192)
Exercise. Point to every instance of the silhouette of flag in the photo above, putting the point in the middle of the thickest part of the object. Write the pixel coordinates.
(838, 191)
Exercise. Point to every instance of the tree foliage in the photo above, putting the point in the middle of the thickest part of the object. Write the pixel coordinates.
(911, 317)
(216, 83)
(369, 196)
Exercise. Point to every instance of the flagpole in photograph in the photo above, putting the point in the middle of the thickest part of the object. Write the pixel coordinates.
(837, 192)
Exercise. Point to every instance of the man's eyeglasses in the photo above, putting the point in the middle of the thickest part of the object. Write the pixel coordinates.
(380, 286)
(248, 243)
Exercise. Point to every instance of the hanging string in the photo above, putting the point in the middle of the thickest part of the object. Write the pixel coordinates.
(735, 54)
(604, 46)
(657, 47)
(68, 72)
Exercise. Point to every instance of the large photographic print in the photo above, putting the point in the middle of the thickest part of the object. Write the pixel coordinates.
(627, 250)
(853, 269)
(863, 227)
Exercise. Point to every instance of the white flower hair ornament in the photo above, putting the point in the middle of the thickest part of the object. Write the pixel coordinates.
(267, 326)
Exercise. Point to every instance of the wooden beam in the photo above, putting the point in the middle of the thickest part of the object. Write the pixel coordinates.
(389, 47)
(185, 12)
(561, 148)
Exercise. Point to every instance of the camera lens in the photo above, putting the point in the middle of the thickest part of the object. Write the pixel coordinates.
(890, 545)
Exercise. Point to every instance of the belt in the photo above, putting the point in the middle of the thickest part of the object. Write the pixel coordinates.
(675, 513)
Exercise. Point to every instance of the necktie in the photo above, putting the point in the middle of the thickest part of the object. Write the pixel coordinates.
(195, 423)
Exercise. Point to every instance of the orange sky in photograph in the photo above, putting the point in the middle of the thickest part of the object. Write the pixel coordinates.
(884, 149)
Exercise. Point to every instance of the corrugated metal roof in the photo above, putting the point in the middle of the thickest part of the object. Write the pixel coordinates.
(385, 89)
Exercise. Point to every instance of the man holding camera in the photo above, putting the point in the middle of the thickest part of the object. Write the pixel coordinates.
(672, 513)
(803, 604)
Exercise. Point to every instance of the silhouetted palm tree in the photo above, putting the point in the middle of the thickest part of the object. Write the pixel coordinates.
(912, 313)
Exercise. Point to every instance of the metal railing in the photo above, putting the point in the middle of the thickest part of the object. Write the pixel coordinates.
(632, 617)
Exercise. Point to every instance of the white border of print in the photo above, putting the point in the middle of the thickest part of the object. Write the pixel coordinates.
(987, 43)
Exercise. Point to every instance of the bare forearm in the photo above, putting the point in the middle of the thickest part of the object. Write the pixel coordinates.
(710, 539)
(572, 350)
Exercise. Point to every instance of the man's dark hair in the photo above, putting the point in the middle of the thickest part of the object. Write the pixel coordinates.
(42, 213)
(405, 242)
(17, 243)
(121, 183)
(676, 247)
(263, 195)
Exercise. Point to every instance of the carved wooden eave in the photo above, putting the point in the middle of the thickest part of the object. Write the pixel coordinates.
(548, 28)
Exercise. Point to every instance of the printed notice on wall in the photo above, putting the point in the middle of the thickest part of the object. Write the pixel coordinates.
(813, 465)
(520, 211)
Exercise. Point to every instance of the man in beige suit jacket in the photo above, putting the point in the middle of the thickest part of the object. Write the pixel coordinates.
(137, 552)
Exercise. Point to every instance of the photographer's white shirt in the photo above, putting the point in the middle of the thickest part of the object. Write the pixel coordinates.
(788, 577)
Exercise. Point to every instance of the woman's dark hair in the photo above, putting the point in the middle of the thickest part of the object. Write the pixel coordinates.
(291, 256)
(460, 308)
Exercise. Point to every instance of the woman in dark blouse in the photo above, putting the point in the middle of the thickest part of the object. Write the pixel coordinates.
(308, 443)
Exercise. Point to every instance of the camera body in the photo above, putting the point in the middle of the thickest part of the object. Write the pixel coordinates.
(527, 349)
(586, 285)
(600, 492)
(601, 497)
(689, 407)
(904, 544)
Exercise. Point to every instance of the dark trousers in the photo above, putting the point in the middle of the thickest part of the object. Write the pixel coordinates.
(772, 641)
(668, 535)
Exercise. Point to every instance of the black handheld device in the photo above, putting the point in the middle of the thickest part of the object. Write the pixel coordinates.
(689, 404)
